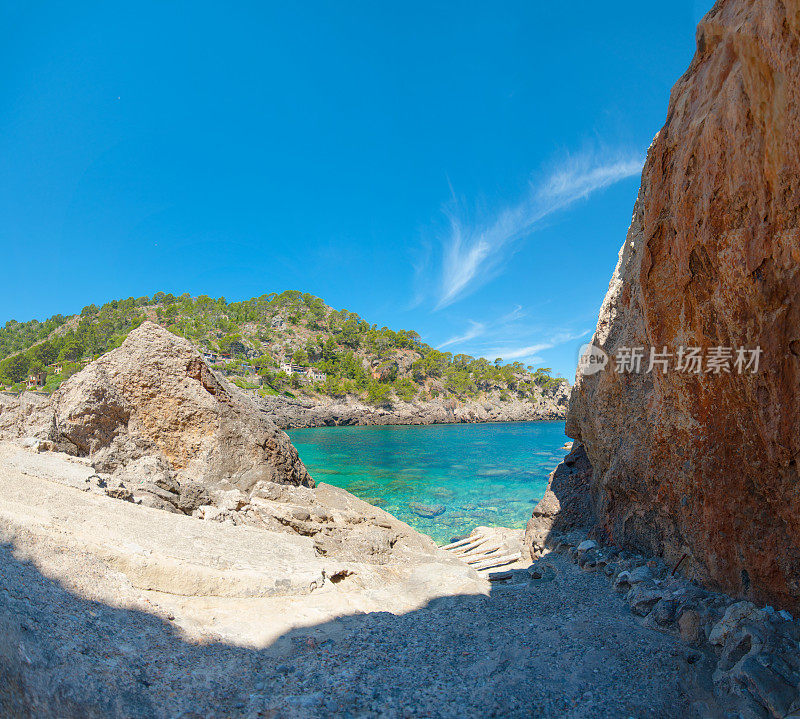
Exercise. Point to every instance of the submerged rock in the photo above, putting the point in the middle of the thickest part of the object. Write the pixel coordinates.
(428, 511)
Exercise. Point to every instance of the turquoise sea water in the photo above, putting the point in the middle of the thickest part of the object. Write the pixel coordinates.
(482, 474)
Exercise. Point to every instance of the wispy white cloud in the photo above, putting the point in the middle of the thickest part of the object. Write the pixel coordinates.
(516, 314)
(473, 253)
(512, 352)
(580, 178)
(420, 260)
(490, 338)
(498, 327)
(519, 352)
(516, 352)
(476, 330)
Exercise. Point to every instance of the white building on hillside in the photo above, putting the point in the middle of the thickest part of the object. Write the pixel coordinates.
(307, 373)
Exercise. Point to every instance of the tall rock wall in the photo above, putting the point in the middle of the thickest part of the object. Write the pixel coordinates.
(702, 467)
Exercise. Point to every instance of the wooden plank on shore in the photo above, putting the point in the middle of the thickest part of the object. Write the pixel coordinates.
(474, 545)
(482, 556)
(480, 550)
(459, 543)
(501, 576)
(498, 561)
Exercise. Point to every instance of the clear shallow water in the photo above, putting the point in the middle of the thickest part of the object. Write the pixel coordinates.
(483, 474)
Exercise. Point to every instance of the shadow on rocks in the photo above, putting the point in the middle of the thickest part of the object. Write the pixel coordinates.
(525, 650)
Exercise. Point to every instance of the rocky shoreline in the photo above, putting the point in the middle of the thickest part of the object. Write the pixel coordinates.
(304, 412)
(749, 654)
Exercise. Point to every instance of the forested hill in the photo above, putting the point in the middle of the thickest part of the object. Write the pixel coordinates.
(252, 338)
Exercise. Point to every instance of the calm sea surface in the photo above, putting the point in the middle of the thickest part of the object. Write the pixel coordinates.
(482, 474)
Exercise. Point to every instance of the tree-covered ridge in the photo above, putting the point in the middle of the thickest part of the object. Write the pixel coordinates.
(16, 336)
(256, 335)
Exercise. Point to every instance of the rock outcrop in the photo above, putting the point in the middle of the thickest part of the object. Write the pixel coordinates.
(155, 396)
(297, 413)
(159, 428)
(249, 582)
(701, 468)
(566, 504)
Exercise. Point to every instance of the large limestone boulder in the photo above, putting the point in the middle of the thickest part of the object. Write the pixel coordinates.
(703, 466)
(154, 405)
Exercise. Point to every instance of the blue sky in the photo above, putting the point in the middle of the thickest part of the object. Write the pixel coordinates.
(467, 170)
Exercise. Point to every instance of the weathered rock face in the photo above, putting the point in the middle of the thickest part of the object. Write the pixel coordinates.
(566, 504)
(154, 400)
(24, 414)
(705, 465)
(290, 413)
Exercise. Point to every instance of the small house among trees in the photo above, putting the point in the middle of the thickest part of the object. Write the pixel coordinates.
(36, 379)
(310, 374)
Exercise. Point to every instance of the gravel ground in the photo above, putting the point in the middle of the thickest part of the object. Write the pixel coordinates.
(568, 647)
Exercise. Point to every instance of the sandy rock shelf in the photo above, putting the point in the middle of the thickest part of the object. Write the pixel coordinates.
(72, 534)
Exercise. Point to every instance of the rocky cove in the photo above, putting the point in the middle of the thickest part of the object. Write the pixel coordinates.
(164, 552)
(159, 530)
(292, 593)
(444, 480)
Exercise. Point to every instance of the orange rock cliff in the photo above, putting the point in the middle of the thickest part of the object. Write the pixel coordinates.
(701, 468)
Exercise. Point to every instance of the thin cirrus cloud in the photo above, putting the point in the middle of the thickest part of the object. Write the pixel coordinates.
(485, 339)
(474, 253)
(476, 330)
(500, 325)
(529, 351)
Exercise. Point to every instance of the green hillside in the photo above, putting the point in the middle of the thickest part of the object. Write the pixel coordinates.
(251, 339)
